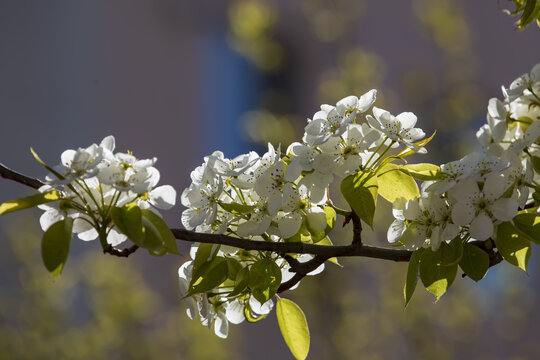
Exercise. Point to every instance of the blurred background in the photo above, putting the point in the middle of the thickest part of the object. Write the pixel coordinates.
(180, 79)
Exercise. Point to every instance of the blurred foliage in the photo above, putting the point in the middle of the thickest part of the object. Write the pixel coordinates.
(102, 307)
(331, 20)
(251, 26)
(529, 10)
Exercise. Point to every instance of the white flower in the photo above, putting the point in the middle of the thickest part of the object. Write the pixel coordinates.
(399, 129)
(202, 201)
(332, 121)
(480, 208)
(127, 173)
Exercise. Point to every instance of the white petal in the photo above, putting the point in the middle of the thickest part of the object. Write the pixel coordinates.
(463, 213)
(395, 231)
(290, 224)
(221, 325)
(259, 309)
(115, 238)
(504, 209)
(365, 101)
(50, 217)
(163, 197)
(481, 227)
(494, 186)
(235, 312)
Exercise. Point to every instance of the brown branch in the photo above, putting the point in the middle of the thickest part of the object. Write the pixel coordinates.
(9, 174)
(120, 253)
(301, 270)
(323, 251)
(295, 247)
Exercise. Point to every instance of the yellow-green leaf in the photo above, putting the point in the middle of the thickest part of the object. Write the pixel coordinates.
(294, 328)
(514, 247)
(55, 245)
(436, 277)
(394, 184)
(422, 171)
(29, 201)
(529, 225)
(360, 191)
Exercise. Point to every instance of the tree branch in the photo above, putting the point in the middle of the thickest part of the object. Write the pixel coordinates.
(295, 247)
(322, 251)
(9, 174)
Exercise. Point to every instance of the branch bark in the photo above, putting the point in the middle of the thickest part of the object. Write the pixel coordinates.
(321, 251)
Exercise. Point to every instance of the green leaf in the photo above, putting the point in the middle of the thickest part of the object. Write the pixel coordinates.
(475, 262)
(159, 229)
(55, 245)
(233, 267)
(264, 279)
(294, 328)
(536, 163)
(210, 276)
(413, 274)
(529, 225)
(528, 14)
(422, 171)
(328, 242)
(360, 191)
(205, 254)
(128, 219)
(514, 247)
(29, 201)
(436, 277)
(451, 253)
(236, 208)
(394, 184)
(241, 281)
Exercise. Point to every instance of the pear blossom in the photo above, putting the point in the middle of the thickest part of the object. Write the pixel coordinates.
(399, 129)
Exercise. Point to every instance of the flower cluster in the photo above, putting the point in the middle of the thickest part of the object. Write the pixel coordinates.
(93, 181)
(278, 197)
(473, 195)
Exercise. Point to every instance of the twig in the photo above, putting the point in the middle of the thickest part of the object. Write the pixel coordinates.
(323, 251)
(9, 174)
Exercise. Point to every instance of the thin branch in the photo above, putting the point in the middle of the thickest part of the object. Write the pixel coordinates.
(301, 270)
(322, 251)
(9, 174)
(120, 253)
(295, 247)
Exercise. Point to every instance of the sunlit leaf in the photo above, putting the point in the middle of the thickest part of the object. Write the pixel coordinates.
(528, 225)
(436, 277)
(294, 328)
(514, 247)
(394, 184)
(29, 201)
(422, 171)
(360, 191)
